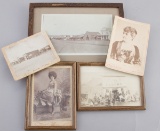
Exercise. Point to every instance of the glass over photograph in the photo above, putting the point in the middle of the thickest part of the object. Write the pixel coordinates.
(105, 87)
(81, 34)
(52, 99)
(101, 88)
(30, 55)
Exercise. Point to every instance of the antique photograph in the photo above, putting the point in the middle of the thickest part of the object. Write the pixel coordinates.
(30, 55)
(52, 101)
(79, 31)
(128, 46)
(81, 34)
(100, 88)
(125, 51)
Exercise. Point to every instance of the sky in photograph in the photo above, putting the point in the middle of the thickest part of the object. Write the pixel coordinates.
(97, 77)
(74, 24)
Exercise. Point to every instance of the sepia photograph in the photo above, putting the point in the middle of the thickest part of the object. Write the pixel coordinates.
(30, 55)
(128, 46)
(100, 88)
(81, 34)
(52, 101)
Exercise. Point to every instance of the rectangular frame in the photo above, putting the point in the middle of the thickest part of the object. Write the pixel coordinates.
(36, 9)
(79, 108)
(28, 98)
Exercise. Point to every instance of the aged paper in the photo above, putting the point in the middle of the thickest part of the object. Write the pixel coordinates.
(30, 55)
(128, 46)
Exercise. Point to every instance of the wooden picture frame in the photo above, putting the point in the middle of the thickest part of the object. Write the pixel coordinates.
(36, 11)
(52, 107)
(87, 101)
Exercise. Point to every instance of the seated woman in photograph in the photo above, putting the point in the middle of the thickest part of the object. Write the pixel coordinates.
(52, 94)
(126, 51)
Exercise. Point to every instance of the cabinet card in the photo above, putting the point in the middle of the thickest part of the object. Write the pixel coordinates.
(30, 55)
(128, 46)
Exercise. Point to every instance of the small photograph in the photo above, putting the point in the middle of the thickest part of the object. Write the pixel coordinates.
(128, 46)
(30, 55)
(103, 88)
(81, 34)
(51, 98)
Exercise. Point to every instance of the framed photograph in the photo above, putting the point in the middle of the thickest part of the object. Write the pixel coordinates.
(51, 98)
(78, 31)
(128, 46)
(100, 88)
(30, 55)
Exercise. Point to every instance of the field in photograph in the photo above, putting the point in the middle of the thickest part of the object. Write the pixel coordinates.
(68, 46)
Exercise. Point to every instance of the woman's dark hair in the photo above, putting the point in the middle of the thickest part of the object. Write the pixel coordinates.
(52, 73)
(131, 30)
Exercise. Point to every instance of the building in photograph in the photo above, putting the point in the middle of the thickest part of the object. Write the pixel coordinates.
(106, 33)
(58, 37)
(21, 59)
(92, 36)
(32, 54)
(44, 49)
(77, 37)
(14, 62)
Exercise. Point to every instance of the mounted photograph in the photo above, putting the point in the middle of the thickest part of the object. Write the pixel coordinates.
(30, 55)
(100, 88)
(51, 104)
(128, 46)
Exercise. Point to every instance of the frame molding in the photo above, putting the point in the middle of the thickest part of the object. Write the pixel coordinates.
(28, 96)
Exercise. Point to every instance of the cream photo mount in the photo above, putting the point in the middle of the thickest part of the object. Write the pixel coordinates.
(128, 46)
(30, 55)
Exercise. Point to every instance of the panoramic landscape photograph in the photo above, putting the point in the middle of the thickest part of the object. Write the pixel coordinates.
(78, 36)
